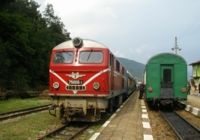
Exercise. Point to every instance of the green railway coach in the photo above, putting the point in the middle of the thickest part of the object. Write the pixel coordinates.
(166, 79)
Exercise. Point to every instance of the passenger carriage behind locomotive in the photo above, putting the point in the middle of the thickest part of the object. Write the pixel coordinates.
(166, 79)
(131, 83)
(86, 80)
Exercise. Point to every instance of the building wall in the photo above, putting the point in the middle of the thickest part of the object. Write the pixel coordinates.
(196, 75)
(196, 70)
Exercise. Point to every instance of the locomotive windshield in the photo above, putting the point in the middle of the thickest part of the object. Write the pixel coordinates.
(91, 56)
(63, 57)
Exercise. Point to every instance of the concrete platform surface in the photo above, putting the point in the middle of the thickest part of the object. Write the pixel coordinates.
(193, 100)
(126, 123)
(193, 104)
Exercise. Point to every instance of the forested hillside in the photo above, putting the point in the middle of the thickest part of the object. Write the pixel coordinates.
(135, 68)
(26, 38)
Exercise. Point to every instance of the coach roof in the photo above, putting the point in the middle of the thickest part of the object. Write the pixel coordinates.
(166, 58)
(86, 43)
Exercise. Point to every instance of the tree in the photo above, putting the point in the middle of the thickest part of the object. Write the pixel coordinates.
(55, 25)
(26, 39)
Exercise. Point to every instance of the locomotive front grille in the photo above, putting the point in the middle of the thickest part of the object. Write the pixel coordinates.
(75, 87)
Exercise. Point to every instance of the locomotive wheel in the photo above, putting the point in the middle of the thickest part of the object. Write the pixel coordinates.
(110, 106)
(64, 121)
(61, 111)
(172, 106)
(120, 100)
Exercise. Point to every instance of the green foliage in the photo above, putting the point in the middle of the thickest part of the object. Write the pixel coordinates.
(18, 104)
(28, 127)
(26, 39)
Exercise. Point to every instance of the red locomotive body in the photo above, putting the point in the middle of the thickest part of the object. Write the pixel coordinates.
(85, 80)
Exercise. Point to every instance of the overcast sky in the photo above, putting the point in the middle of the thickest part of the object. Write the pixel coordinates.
(134, 29)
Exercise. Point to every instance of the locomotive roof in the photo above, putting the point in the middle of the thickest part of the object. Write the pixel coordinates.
(164, 54)
(86, 43)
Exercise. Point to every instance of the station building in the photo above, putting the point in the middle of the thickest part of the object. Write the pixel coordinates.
(195, 82)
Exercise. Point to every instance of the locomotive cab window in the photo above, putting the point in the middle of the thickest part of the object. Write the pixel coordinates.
(63, 57)
(91, 56)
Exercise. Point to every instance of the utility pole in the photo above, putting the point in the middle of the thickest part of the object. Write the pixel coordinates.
(176, 48)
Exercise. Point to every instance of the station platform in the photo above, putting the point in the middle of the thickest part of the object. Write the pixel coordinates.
(193, 104)
(129, 122)
(194, 100)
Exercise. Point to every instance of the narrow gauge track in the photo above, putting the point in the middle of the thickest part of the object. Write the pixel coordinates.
(65, 132)
(13, 114)
(183, 129)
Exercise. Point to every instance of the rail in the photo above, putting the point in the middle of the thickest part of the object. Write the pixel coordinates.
(65, 132)
(183, 129)
(13, 114)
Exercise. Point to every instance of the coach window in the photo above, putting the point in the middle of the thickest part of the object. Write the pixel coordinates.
(111, 59)
(123, 70)
(167, 75)
(117, 66)
(91, 57)
(123, 85)
(63, 57)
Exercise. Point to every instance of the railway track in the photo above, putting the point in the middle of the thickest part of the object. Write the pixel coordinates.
(183, 129)
(65, 132)
(14, 114)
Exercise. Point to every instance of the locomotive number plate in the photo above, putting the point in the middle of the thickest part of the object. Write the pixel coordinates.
(75, 82)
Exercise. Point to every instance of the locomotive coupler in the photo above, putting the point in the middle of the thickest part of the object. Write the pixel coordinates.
(52, 110)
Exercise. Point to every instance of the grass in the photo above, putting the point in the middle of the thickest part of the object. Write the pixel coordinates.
(16, 104)
(28, 127)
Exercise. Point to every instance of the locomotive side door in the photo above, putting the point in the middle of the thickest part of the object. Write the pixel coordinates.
(111, 72)
(166, 82)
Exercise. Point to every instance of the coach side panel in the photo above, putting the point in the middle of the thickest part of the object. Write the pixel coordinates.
(152, 81)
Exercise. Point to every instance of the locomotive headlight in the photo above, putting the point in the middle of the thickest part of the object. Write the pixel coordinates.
(96, 85)
(77, 42)
(56, 85)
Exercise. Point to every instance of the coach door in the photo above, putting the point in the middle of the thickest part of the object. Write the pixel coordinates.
(167, 73)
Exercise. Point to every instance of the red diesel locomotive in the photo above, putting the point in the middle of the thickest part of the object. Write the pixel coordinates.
(86, 79)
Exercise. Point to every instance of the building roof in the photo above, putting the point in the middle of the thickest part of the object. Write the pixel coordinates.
(194, 63)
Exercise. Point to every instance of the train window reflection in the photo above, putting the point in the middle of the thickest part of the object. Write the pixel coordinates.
(63, 57)
(91, 57)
